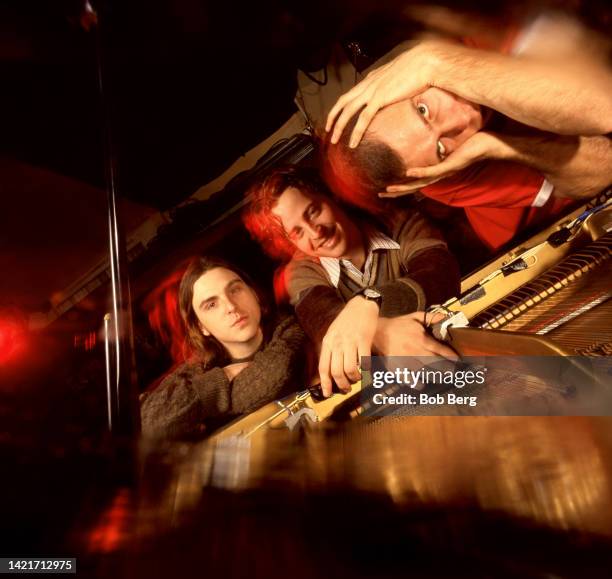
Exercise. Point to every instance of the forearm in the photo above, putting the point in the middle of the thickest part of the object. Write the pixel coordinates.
(576, 166)
(572, 97)
(317, 310)
(437, 273)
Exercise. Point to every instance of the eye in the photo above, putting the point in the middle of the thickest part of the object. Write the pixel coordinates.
(235, 289)
(423, 110)
(210, 305)
(441, 150)
(313, 211)
(296, 234)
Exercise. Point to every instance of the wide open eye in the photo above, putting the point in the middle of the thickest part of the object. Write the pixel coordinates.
(441, 150)
(423, 110)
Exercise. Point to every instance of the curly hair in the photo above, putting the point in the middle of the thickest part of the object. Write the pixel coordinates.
(265, 227)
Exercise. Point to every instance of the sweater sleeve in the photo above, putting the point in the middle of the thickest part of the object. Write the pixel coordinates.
(317, 309)
(317, 302)
(187, 399)
(180, 405)
(430, 272)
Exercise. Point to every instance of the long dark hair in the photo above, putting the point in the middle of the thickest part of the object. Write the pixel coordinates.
(207, 349)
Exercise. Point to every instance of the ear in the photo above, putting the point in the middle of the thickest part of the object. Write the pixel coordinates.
(204, 330)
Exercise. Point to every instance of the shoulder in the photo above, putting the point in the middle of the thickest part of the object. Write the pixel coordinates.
(286, 323)
(286, 329)
(411, 225)
(303, 263)
(302, 273)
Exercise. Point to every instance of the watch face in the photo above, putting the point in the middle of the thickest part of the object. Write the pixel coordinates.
(371, 294)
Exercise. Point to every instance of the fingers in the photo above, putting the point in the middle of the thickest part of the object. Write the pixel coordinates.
(343, 100)
(363, 122)
(431, 171)
(399, 191)
(413, 340)
(364, 350)
(360, 96)
(337, 370)
(439, 349)
(331, 117)
(339, 365)
(350, 109)
(347, 100)
(346, 106)
(434, 318)
(351, 367)
(419, 178)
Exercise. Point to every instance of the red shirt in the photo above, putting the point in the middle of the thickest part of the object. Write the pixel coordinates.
(500, 198)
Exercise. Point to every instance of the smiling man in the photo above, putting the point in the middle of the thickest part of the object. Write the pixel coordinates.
(355, 283)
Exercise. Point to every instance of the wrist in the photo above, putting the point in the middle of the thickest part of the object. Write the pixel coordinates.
(445, 60)
(360, 308)
(499, 147)
(361, 302)
(373, 295)
(440, 74)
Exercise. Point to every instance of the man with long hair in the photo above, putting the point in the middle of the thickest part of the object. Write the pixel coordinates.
(239, 356)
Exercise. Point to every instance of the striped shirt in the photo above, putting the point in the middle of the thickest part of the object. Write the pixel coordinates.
(335, 268)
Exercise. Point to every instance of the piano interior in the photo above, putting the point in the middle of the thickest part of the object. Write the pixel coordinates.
(549, 295)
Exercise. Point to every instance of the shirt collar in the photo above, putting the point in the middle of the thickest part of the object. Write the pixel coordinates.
(376, 241)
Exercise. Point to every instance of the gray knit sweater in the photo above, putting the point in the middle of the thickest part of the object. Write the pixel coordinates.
(192, 401)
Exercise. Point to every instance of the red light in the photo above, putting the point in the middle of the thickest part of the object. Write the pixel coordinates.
(12, 339)
(164, 317)
(85, 342)
(112, 528)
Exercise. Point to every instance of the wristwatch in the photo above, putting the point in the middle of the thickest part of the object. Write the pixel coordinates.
(372, 295)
